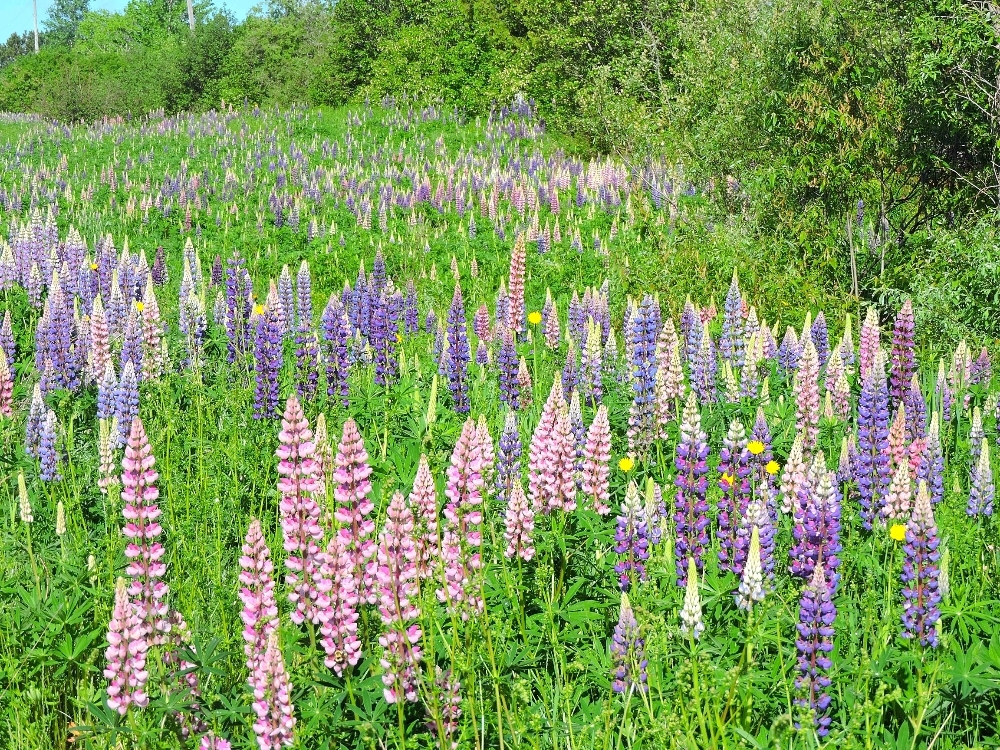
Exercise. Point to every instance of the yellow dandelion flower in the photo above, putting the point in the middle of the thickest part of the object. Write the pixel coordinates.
(626, 464)
(399, 339)
(93, 266)
(258, 309)
(535, 318)
(728, 479)
(139, 306)
(772, 467)
(898, 532)
(755, 447)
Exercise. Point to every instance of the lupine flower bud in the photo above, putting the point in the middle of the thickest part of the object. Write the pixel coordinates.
(272, 703)
(631, 542)
(751, 587)
(983, 489)
(692, 624)
(814, 645)
(921, 597)
(628, 652)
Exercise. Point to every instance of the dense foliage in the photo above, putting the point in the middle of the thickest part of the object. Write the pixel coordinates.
(387, 427)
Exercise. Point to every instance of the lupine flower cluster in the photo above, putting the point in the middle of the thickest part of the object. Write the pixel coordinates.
(690, 506)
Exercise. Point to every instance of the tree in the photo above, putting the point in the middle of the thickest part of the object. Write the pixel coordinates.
(64, 20)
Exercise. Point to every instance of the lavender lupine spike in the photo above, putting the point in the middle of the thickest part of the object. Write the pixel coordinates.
(873, 471)
(238, 291)
(354, 507)
(286, 299)
(788, 353)
(734, 468)
(272, 699)
(48, 452)
(983, 489)
(519, 524)
(126, 654)
(596, 474)
(268, 355)
(458, 353)
(335, 327)
(816, 529)
(298, 476)
(33, 425)
(462, 536)
(691, 508)
(976, 435)
(916, 409)
(643, 329)
(260, 609)
(307, 358)
(806, 391)
(398, 609)
(143, 552)
(509, 459)
(732, 343)
(814, 645)
(631, 540)
(591, 361)
(981, 372)
(628, 652)
(921, 598)
(704, 369)
(821, 338)
(507, 364)
(7, 341)
(904, 359)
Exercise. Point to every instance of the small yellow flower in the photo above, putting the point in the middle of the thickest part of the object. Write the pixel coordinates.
(626, 464)
(772, 467)
(258, 309)
(898, 532)
(139, 306)
(755, 447)
(399, 339)
(728, 479)
(535, 318)
(93, 266)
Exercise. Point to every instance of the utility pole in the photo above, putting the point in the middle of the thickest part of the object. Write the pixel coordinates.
(34, 6)
(190, 14)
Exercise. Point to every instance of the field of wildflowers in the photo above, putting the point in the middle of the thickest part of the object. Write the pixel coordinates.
(381, 429)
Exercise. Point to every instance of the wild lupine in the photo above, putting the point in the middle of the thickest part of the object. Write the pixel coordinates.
(211, 742)
(931, 468)
(943, 393)
(515, 303)
(904, 360)
(814, 645)
(732, 343)
(704, 369)
(976, 435)
(692, 625)
(143, 552)
(126, 401)
(691, 517)
(821, 338)
(751, 588)
(794, 477)
(238, 291)
(260, 609)
(272, 703)
(873, 471)
(641, 337)
(631, 540)
(398, 590)
(669, 376)
(524, 383)
(303, 536)
(7, 341)
(132, 345)
(423, 501)
(509, 460)
(628, 652)
(591, 361)
(596, 472)
(690, 330)
(788, 353)
(153, 342)
(519, 524)
(335, 327)
(126, 654)
(897, 436)
(286, 299)
(462, 535)
(806, 391)
(411, 321)
(734, 467)
(570, 377)
(268, 355)
(307, 354)
(100, 346)
(550, 321)
(507, 363)
(48, 453)
(354, 507)
(458, 353)
(983, 489)
(816, 529)
(921, 598)
(445, 709)
(869, 347)
(899, 498)
(339, 628)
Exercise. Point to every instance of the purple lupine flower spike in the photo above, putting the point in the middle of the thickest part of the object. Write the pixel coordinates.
(458, 353)
(873, 466)
(628, 652)
(509, 458)
(691, 508)
(983, 489)
(814, 644)
(921, 598)
(268, 355)
(631, 540)
(904, 359)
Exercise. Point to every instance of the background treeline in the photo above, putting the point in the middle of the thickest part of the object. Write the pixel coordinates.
(821, 124)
